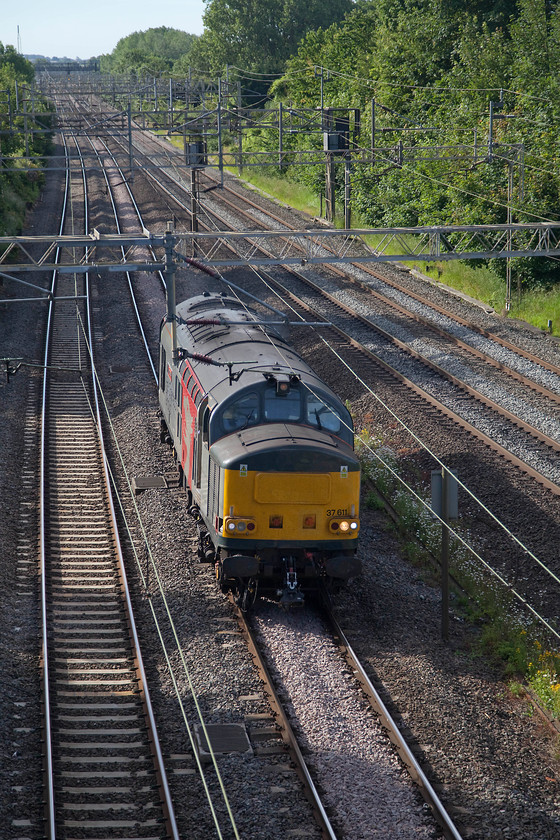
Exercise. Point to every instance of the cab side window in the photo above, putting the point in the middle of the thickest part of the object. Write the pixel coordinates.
(162, 368)
(241, 413)
(320, 414)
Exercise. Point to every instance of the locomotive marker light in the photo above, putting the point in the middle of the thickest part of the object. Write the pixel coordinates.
(343, 526)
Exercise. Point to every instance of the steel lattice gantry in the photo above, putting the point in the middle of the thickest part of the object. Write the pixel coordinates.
(22, 254)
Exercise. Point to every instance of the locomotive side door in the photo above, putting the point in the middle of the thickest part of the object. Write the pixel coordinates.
(201, 448)
(202, 454)
(189, 425)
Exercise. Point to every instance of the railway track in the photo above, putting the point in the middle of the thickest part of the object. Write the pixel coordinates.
(532, 447)
(533, 412)
(525, 444)
(151, 151)
(336, 716)
(539, 462)
(377, 285)
(283, 727)
(297, 757)
(104, 772)
(529, 450)
(379, 291)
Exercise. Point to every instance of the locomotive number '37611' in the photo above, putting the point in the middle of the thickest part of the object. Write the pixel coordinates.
(265, 450)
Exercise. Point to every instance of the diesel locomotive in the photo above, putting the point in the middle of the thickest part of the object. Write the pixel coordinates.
(265, 452)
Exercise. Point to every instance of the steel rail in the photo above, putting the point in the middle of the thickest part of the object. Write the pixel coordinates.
(426, 397)
(408, 292)
(167, 808)
(49, 784)
(526, 427)
(288, 735)
(123, 252)
(143, 683)
(416, 773)
(132, 292)
(525, 380)
(424, 321)
(477, 395)
(125, 182)
(459, 383)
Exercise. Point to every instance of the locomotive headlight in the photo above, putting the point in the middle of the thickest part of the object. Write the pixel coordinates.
(240, 527)
(343, 526)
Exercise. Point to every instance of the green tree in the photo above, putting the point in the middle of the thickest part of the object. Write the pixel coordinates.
(162, 41)
(536, 33)
(20, 180)
(151, 51)
(260, 35)
(14, 65)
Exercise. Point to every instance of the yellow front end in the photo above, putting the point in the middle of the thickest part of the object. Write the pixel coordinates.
(296, 509)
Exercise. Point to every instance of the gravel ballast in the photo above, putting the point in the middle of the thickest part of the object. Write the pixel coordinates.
(494, 761)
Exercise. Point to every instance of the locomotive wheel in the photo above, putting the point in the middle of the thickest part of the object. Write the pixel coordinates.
(206, 550)
(220, 577)
(245, 594)
(164, 434)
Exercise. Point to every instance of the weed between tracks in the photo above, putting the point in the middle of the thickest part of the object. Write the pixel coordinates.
(505, 635)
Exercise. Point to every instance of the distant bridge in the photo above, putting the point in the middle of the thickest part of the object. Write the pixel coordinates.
(67, 67)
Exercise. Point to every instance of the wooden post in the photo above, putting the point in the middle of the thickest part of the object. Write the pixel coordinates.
(347, 194)
(445, 555)
(330, 188)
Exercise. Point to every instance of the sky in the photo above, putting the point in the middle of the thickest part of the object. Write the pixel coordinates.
(78, 29)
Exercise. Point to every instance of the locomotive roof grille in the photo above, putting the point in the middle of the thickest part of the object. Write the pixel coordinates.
(244, 369)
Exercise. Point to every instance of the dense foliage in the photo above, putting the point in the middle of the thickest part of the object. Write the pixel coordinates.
(432, 67)
(259, 35)
(153, 51)
(20, 180)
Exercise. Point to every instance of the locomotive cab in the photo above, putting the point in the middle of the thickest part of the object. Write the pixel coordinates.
(287, 496)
